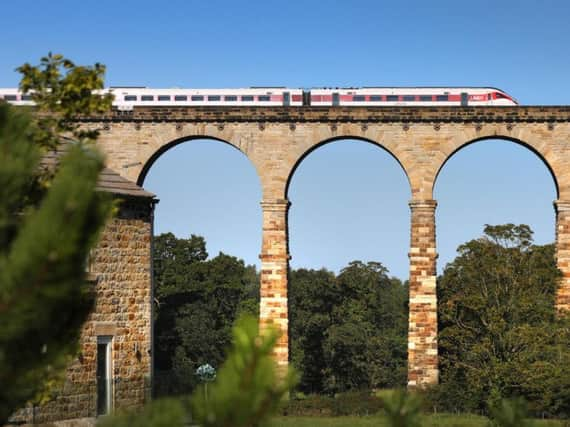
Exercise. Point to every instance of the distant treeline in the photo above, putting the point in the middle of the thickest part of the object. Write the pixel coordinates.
(499, 333)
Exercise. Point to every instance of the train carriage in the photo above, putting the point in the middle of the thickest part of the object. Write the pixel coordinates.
(126, 98)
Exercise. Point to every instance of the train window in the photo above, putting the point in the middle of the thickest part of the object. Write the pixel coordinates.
(426, 98)
(263, 98)
(359, 98)
(180, 98)
(26, 97)
(500, 95)
(197, 98)
(10, 97)
(247, 98)
(230, 98)
(164, 97)
(442, 98)
(130, 97)
(392, 98)
(375, 98)
(214, 97)
(147, 98)
(409, 98)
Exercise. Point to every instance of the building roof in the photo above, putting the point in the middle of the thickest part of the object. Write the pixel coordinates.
(109, 180)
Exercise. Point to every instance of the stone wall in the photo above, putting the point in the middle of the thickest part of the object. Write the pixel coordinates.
(121, 268)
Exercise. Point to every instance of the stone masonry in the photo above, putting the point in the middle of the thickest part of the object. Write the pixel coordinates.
(421, 139)
(422, 333)
(274, 265)
(120, 271)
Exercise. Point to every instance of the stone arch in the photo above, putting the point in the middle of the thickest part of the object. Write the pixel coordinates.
(532, 147)
(319, 144)
(156, 154)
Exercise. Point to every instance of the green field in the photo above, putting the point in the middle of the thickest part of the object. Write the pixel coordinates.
(444, 420)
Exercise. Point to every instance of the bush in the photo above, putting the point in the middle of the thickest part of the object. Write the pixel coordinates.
(359, 403)
(450, 397)
(402, 409)
(313, 405)
(355, 403)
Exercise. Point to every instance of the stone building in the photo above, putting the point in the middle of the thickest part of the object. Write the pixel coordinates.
(113, 368)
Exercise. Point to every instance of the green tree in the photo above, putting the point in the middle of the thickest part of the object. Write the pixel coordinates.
(48, 224)
(197, 302)
(499, 336)
(366, 346)
(62, 91)
(348, 332)
(312, 297)
(44, 297)
(249, 387)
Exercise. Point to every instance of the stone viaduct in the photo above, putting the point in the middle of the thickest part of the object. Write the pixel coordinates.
(421, 139)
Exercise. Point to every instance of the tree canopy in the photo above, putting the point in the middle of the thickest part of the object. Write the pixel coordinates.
(348, 332)
(197, 301)
(47, 227)
(499, 334)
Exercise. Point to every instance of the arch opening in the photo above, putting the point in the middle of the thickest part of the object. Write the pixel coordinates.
(497, 285)
(492, 180)
(348, 189)
(341, 138)
(209, 181)
(166, 147)
(205, 189)
(349, 238)
(504, 139)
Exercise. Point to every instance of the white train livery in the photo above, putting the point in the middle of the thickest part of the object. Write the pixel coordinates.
(125, 98)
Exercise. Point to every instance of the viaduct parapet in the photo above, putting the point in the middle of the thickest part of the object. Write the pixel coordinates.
(421, 139)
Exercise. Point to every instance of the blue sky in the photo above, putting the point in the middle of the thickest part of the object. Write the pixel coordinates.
(349, 199)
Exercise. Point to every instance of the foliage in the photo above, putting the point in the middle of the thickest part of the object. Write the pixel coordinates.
(197, 300)
(499, 336)
(44, 242)
(313, 405)
(159, 413)
(355, 323)
(247, 391)
(360, 403)
(402, 409)
(510, 413)
(249, 388)
(355, 403)
(433, 420)
(348, 332)
(63, 91)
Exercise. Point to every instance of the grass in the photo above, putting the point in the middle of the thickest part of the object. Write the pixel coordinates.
(443, 420)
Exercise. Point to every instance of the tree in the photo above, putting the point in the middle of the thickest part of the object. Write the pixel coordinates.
(249, 387)
(197, 302)
(47, 228)
(44, 297)
(372, 318)
(348, 332)
(498, 329)
(62, 91)
(311, 300)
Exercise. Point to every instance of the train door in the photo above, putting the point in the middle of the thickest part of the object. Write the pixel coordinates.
(464, 99)
(335, 99)
(306, 97)
(286, 99)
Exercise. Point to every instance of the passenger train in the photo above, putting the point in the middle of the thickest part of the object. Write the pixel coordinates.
(125, 98)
